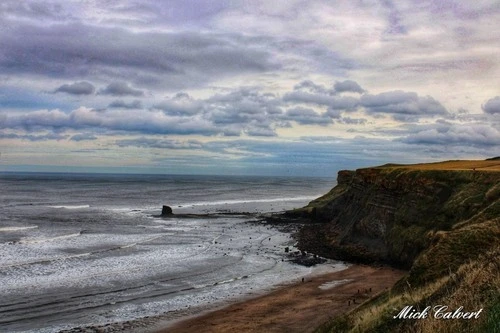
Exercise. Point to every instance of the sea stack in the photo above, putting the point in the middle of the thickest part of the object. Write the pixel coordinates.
(166, 211)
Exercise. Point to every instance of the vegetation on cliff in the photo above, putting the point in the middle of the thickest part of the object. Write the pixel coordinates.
(440, 221)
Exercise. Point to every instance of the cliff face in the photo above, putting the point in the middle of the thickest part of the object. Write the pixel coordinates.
(443, 224)
(392, 214)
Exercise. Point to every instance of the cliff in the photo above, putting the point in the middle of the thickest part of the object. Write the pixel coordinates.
(440, 221)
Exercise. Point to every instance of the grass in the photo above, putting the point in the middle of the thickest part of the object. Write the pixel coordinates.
(479, 165)
(475, 285)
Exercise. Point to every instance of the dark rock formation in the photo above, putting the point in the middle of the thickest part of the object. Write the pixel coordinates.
(166, 211)
(388, 214)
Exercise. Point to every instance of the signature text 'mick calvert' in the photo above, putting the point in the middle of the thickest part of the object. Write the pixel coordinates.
(438, 312)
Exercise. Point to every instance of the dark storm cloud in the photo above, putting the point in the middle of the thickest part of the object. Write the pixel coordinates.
(338, 87)
(261, 131)
(352, 121)
(83, 137)
(32, 10)
(91, 150)
(176, 12)
(402, 104)
(346, 103)
(394, 19)
(137, 121)
(180, 104)
(143, 142)
(348, 86)
(307, 116)
(121, 89)
(247, 110)
(245, 107)
(77, 88)
(32, 137)
(463, 10)
(308, 92)
(308, 98)
(114, 120)
(258, 113)
(492, 106)
(164, 59)
(312, 87)
(334, 113)
(136, 104)
(36, 120)
(242, 111)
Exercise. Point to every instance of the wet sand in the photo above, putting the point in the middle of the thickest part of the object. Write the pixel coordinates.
(300, 307)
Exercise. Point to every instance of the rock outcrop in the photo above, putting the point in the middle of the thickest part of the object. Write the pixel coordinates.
(166, 211)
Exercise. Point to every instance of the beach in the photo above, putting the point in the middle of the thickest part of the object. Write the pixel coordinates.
(299, 307)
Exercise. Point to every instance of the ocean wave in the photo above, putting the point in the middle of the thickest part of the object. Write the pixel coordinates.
(231, 280)
(49, 239)
(71, 206)
(17, 228)
(72, 256)
(235, 202)
(45, 260)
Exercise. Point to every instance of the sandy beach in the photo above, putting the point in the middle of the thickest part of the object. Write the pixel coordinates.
(300, 307)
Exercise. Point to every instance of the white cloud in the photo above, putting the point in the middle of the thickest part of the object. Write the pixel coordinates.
(460, 135)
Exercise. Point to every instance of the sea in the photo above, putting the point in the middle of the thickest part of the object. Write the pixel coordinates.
(92, 249)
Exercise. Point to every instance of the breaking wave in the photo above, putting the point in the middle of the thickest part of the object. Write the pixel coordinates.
(71, 206)
(17, 228)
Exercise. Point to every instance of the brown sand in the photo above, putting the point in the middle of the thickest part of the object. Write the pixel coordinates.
(301, 307)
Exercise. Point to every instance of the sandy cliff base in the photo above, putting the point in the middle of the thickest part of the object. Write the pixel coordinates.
(297, 308)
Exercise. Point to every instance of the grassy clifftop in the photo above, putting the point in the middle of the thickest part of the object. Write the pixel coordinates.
(441, 221)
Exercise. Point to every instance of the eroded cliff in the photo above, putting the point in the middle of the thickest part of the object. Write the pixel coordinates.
(391, 214)
(441, 223)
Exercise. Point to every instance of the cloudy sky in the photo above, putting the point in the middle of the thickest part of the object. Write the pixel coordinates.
(246, 87)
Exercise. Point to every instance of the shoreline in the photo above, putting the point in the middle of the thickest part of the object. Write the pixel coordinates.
(292, 308)
(297, 307)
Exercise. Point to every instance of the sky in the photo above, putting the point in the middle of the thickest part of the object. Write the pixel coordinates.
(290, 88)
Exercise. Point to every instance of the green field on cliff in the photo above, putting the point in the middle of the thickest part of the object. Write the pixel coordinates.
(440, 221)
(479, 165)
